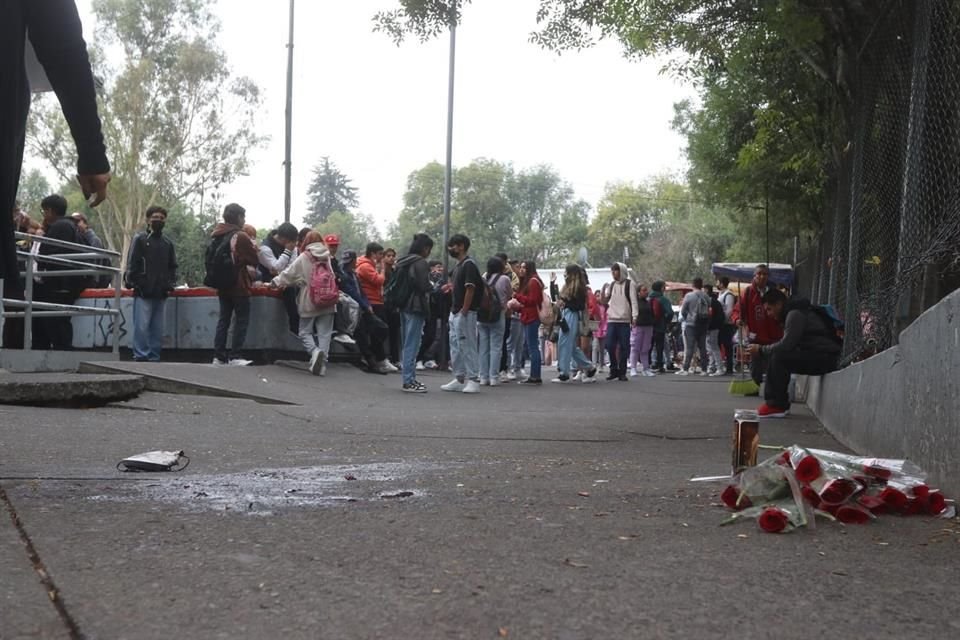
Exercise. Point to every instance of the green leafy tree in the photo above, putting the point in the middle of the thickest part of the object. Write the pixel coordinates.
(330, 190)
(33, 188)
(626, 216)
(175, 120)
(355, 229)
(550, 221)
(422, 206)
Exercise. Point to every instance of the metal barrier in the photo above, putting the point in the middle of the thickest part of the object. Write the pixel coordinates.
(83, 260)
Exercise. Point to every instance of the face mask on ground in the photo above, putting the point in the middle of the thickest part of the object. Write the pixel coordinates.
(157, 226)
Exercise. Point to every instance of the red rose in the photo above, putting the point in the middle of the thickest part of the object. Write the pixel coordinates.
(936, 503)
(784, 458)
(808, 469)
(852, 514)
(838, 490)
(829, 508)
(874, 504)
(915, 506)
(920, 491)
(896, 500)
(877, 471)
(733, 498)
(773, 520)
(810, 495)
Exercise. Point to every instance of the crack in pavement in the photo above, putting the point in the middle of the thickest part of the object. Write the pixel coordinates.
(45, 578)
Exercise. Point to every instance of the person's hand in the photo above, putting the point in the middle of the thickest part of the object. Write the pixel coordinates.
(753, 349)
(94, 187)
(561, 303)
(291, 245)
(446, 288)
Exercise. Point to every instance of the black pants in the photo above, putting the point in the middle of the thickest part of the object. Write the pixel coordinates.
(504, 356)
(782, 364)
(14, 105)
(656, 351)
(618, 346)
(429, 338)
(293, 313)
(56, 332)
(758, 366)
(727, 332)
(386, 336)
(231, 306)
(370, 337)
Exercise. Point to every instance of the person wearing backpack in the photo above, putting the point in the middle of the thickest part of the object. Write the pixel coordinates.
(572, 301)
(810, 345)
(491, 321)
(695, 313)
(620, 296)
(467, 287)
(728, 300)
(717, 319)
(641, 335)
(529, 302)
(662, 310)
(152, 274)
(312, 272)
(229, 254)
(409, 291)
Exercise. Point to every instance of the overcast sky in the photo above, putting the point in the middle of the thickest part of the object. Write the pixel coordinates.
(379, 111)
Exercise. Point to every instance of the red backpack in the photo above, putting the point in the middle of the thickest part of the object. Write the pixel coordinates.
(323, 285)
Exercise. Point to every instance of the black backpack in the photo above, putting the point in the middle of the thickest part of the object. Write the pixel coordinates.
(645, 317)
(399, 288)
(218, 260)
(490, 307)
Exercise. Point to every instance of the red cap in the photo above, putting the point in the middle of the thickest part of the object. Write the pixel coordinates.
(331, 239)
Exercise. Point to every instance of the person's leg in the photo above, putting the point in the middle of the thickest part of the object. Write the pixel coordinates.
(634, 346)
(306, 332)
(380, 343)
(781, 365)
(505, 346)
(289, 297)
(155, 332)
(141, 328)
(701, 338)
(565, 344)
(689, 341)
(412, 325)
(456, 355)
(483, 350)
(624, 349)
(324, 332)
(713, 349)
(223, 327)
(758, 366)
(612, 348)
(393, 322)
(496, 348)
(241, 307)
(470, 349)
(427, 339)
(531, 332)
(645, 343)
(726, 342)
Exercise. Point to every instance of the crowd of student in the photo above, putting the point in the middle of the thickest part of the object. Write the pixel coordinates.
(504, 321)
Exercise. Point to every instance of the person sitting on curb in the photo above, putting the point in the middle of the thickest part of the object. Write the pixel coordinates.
(809, 346)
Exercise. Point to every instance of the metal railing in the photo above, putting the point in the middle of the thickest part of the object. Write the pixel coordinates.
(84, 262)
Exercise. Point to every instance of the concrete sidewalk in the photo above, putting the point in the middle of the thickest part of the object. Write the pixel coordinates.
(362, 512)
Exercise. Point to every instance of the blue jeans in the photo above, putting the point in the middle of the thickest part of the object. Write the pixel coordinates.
(411, 326)
(531, 333)
(618, 346)
(491, 347)
(148, 328)
(464, 355)
(567, 347)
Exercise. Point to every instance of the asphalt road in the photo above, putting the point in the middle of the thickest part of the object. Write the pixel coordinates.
(362, 512)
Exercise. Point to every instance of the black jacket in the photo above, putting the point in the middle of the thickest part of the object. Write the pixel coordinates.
(804, 330)
(64, 229)
(151, 266)
(422, 287)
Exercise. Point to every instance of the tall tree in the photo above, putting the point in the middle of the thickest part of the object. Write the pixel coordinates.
(176, 121)
(330, 190)
(422, 206)
(33, 188)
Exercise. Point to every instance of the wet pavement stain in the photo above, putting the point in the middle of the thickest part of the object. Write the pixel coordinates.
(267, 491)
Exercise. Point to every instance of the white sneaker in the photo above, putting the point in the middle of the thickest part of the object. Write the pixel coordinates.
(505, 377)
(454, 385)
(343, 338)
(420, 366)
(494, 382)
(316, 362)
(219, 362)
(484, 382)
(633, 373)
(586, 380)
(430, 364)
(561, 380)
(704, 373)
(386, 365)
(511, 375)
(647, 373)
(578, 377)
(682, 372)
(471, 387)
(716, 374)
(240, 362)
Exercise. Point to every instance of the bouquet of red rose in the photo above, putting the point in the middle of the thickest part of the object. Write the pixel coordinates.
(769, 492)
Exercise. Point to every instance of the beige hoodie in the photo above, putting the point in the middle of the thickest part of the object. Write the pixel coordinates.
(622, 303)
(299, 273)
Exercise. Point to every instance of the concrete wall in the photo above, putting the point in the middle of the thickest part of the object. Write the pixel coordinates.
(905, 401)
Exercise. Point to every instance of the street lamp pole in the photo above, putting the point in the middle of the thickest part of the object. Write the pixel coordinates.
(288, 134)
(448, 173)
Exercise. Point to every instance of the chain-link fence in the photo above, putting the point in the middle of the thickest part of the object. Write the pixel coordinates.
(891, 248)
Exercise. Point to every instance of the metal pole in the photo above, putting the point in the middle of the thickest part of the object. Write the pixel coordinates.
(288, 134)
(118, 317)
(28, 297)
(448, 173)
